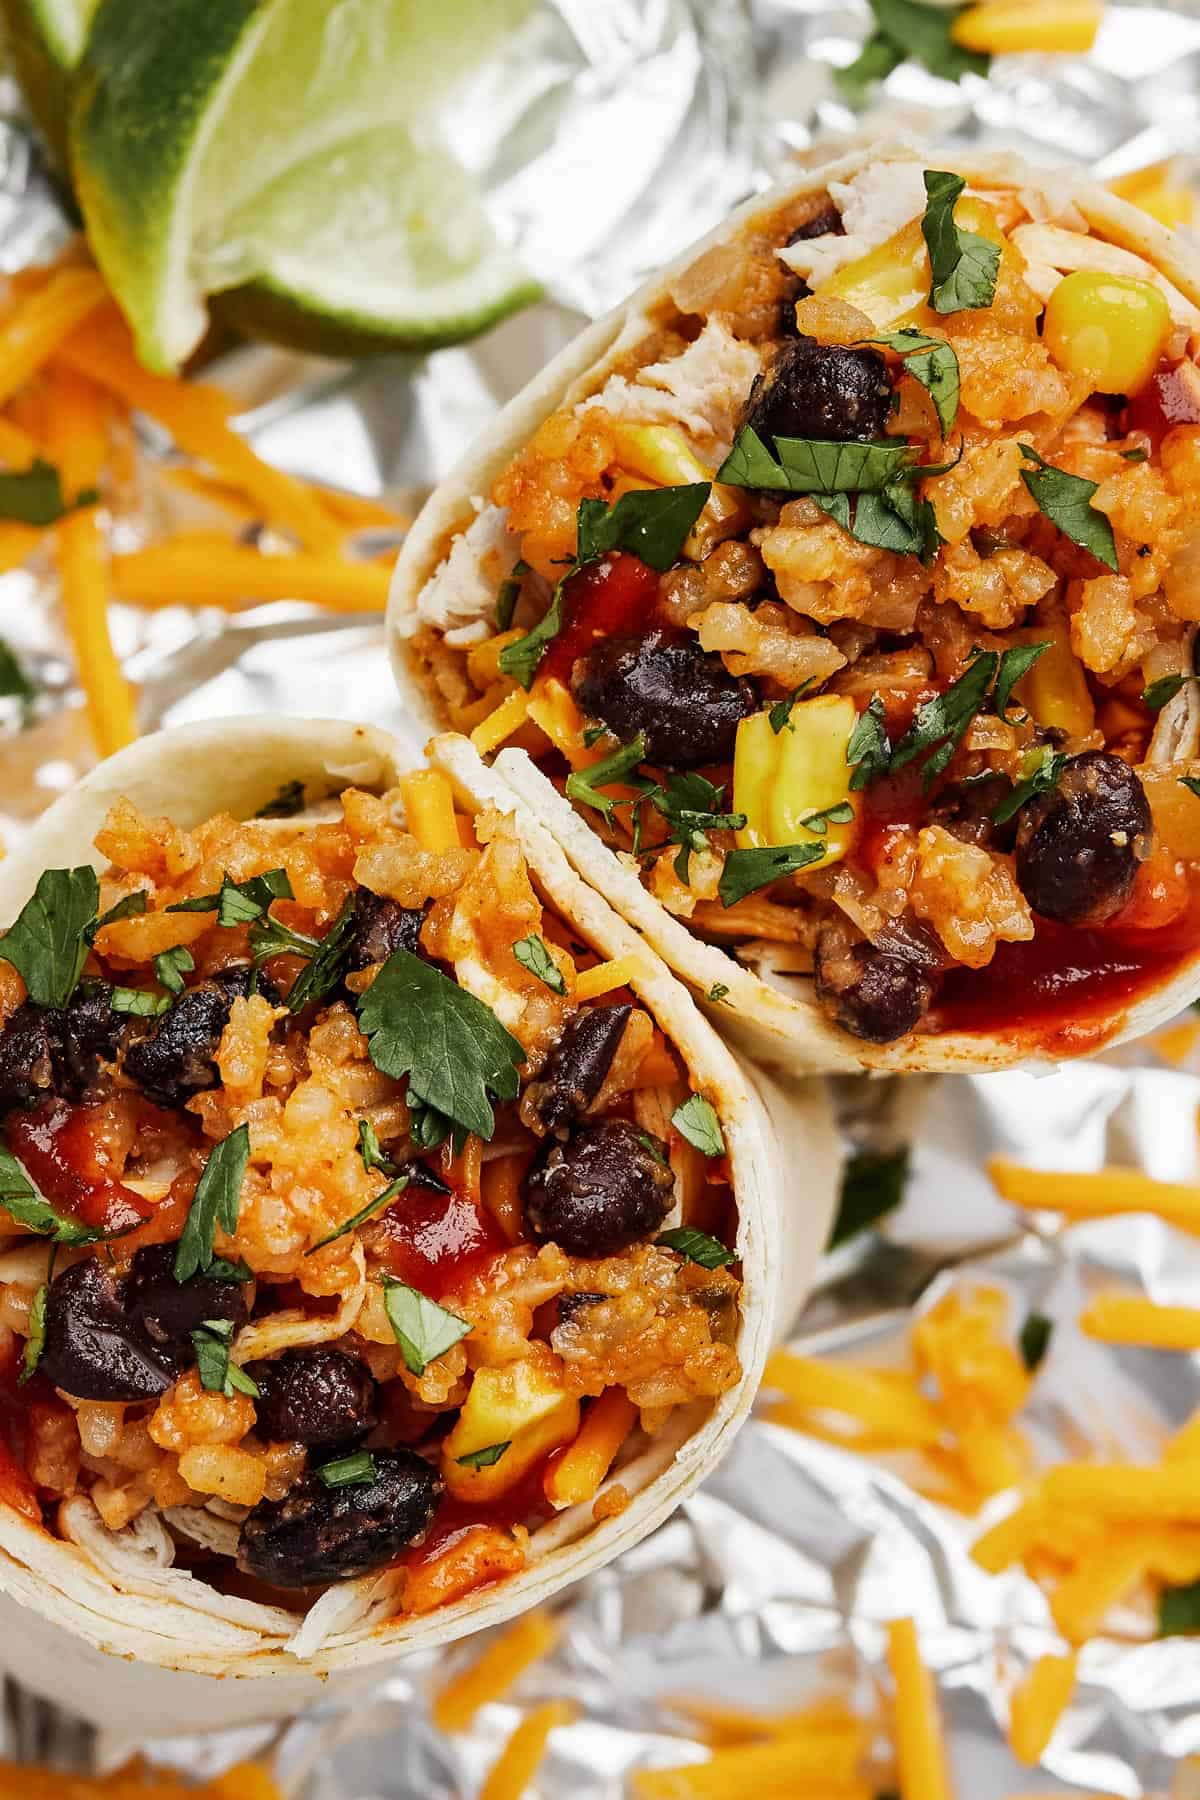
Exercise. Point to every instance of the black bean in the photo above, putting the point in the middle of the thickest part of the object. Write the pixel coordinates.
(91, 1349)
(826, 223)
(176, 1057)
(1079, 846)
(91, 1034)
(601, 1191)
(45, 1050)
(965, 811)
(381, 926)
(28, 1044)
(570, 1304)
(824, 391)
(317, 1534)
(318, 1396)
(166, 1312)
(683, 698)
(573, 1073)
(870, 993)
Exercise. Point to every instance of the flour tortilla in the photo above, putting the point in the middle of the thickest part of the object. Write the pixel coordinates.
(769, 1012)
(104, 1623)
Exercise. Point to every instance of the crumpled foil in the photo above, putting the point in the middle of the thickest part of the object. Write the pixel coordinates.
(772, 1584)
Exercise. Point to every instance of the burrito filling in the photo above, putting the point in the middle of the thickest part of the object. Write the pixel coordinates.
(857, 605)
(354, 1216)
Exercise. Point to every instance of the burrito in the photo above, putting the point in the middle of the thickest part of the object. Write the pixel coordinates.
(384, 1232)
(834, 604)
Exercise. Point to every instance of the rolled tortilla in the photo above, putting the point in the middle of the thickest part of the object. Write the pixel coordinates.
(769, 1007)
(110, 1623)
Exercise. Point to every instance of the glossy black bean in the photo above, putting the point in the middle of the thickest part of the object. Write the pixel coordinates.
(823, 224)
(1079, 846)
(317, 1534)
(966, 813)
(175, 1058)
(873, 995)
(91, 1348)
(27, 1056)
(166, 1312)
(573, 1073)
(604, 1189)
(681, 697)
(90, 1035)
(381, 926)
(319, 1397)
(825, 391)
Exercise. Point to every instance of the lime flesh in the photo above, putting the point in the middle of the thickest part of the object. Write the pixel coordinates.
(291, 155)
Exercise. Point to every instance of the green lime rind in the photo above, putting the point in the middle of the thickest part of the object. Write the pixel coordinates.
(44, 39)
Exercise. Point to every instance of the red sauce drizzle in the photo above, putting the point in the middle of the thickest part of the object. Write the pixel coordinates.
(604, 599)
(525, 1503)
(437, 1241)
(1164, 402)
(60, 1153)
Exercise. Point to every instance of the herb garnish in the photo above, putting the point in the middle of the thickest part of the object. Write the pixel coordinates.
(717, 992)
(424, 1330)
(895, 519)
(746, 871)
(35, 1343)
(217, 1201)
(688, 803)
(932, 362)
(140, 1003)
(240, 902)
(451, 1046)
(355, 1470)
(1159, 692)
(31, 1209)
(35, 495)
(484, 1459)
(779, 716)
(532, 954)
(129, 906)
(585, 785)
(383, 1198)
(46, 943)
(940, 725)
(696, 1246)
(840, 813)
(1034, 1339)
(218, 1375)
(1066, 501)
(650, 523)
(812, 466)
(371, 1151)
(911, 30)
(696, 1120)
(14, 682)
(1191, 783)
(508, 593)
(172, 965)
(1015, 664)
(1179, 1610)
(869, 750)
(288, 801)
(873, 1185)
(1043, 776)
(963, 265)
(326, 961)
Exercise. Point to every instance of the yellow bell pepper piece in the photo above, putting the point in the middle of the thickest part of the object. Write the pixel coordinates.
(1156, 192)
(522, 1405)
(891, 283)
(1005, 27)
(660, 453)
(1055, 690)
(781, 779)
(1111, 328)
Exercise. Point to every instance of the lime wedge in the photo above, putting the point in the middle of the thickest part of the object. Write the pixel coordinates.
(290, 158)
(45, 40)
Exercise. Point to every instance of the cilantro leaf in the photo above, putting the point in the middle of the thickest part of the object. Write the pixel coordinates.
(211, 1342)
(28, 1207)
(220, 1270)
(1066, 501)
(371, 1151)
(877, 59)
(941, 723)
(364, 1213)
(240, 902)
(520, 660)
(963, 265)
(894, 519)
(1015, 664)
(35, 1343)
(1159, 692)
(217, 1201)
(696, 1246)
(911, 30)
(451, 1046)
(840, 813)
(873, 1185)
(533, 955)
(931, 361)
(484, 1459)
(47, 942)
(812, 466)
(130, 906)
(172, 965)
(697, 1121)
(1179, 1610)
(869, 751)
(1191, 783)
(1042, 778)
(746, 871)
(508, 593)
(423, 1329)
(779, 716)
(687, 801)
(35, 495)
(615, 769)
(651, 523)
(327, 962)
(1135, 456)
(1034, 1339)
(717, 992)
(14, 682)
(288, 801)
(355, 1470)
(140, 1003)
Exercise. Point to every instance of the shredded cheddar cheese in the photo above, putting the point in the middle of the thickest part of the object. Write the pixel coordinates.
(576, 1476)
(429, 809)
(604, 977)
(1129, 1319)
(518, 1762)
(508, 717)
(495, 1671)
(1038, 1704)
(920, 1751)
(1102, 1195)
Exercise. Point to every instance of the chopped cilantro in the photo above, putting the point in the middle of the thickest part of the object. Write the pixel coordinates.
(532, 954)
(47, 943)
(217, 1201)
(746, 871)
(963, 265)
(1066, 501)
(873, 1184)
(287, 802)
(1042, 777)
(697, 1246)
(869, 751)
(484, 1459)
(1034, 1339)
(356, 1470)
(423, 1329)
(697, 1121)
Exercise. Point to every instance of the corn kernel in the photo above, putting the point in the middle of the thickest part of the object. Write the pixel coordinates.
(781, 779)
(891, 283)
(1111, 328)
(1006, 27)
(522, 1405)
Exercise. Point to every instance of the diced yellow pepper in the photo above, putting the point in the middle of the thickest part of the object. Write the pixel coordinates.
(781, 779)
(1111, 328)
(1055, 690)
(660, 453)
(1156, 191)
(1006, 27)
(523, 1405)
(891, 283)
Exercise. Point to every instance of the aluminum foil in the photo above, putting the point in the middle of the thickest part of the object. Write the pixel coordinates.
(652, 117)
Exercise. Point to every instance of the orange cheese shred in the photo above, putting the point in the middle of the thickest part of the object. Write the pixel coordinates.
(205, 569)
(520, 1759)
(881, 1401)
(1130, 1319)
(429, 809)
(785, 1768)
(40, 322)
(603, 977)
(1038, 1704)
(1102, 1195)
(920, 1751)
(577, 1474)
(495, 1670)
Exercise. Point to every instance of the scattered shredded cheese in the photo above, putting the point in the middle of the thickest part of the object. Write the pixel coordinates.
(920, 1750)
(1130, 1319)
(520, 1759)
(577, 1474)
(495, 1670)
(1038, 1704)
(604, 977)
(1102, 1195)
(429, 809)
(508, 717)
